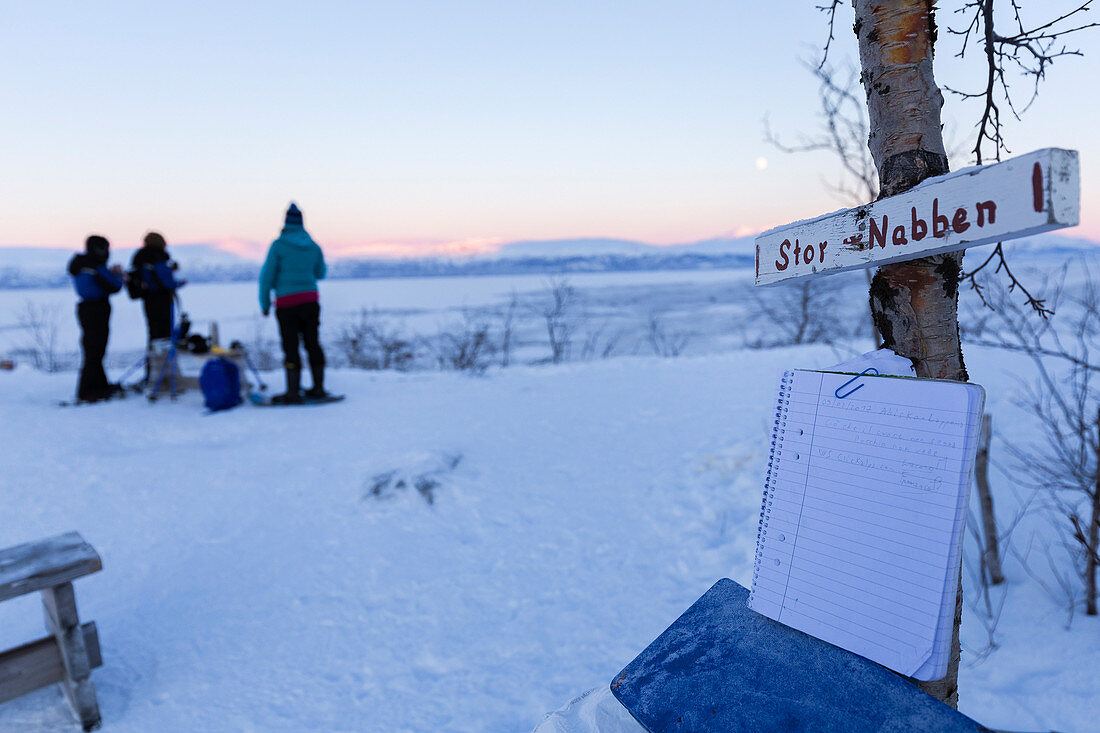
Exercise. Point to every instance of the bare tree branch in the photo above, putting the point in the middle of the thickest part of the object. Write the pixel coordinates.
(1029, 51)
(831, 10)
(1038, 305)
(844, 122)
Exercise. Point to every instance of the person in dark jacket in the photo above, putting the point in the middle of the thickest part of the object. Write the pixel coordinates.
(293, 266)
(156, 286)
(94, 282)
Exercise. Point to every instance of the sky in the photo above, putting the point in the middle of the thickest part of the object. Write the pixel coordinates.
(423, 127)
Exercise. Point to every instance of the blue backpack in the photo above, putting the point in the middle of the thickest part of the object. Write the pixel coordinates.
(220, 381)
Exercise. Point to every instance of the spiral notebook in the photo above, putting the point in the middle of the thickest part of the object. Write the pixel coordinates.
(860, 534)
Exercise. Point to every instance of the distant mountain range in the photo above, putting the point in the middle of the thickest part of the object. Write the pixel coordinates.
(26, 267)
(35, 267)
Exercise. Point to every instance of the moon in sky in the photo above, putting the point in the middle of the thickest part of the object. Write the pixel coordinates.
(761, 163)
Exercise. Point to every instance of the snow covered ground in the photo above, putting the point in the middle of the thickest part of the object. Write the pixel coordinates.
(418, 305)
(271, 570)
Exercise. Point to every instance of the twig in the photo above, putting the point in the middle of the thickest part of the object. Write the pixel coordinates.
(831, 10)
(1038, 305)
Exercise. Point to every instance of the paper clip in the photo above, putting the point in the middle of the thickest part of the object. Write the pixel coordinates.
(839, 396)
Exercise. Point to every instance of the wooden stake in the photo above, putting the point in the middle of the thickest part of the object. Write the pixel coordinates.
(989, 522)
(1093, 548)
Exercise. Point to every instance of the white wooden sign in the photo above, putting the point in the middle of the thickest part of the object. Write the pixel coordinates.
(1026, 195)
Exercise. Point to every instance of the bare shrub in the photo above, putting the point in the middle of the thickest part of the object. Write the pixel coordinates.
(988, 604)
(558, 314)
(1062, 456)
(41, 324)
(803, 312)
(1062, 587)
(663, 341)
(600, 342)
(466, 345)
(368, 342)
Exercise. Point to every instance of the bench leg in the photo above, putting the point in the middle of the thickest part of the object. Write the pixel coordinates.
(59, 607)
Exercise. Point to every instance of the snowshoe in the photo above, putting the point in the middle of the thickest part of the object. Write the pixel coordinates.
(114, 391)
(287, 398)
(324, 399)
(303, 400)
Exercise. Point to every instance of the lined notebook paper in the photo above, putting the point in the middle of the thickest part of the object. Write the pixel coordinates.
(860, 534)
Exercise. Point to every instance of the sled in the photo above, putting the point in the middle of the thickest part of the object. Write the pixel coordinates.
(723, 667)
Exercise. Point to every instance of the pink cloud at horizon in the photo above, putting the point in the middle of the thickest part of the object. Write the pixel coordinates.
(748, 231)
(473, 246)
(407, 248)
(384, 249)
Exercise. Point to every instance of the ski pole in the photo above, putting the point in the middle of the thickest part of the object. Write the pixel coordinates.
(255, 372)
(132, 369)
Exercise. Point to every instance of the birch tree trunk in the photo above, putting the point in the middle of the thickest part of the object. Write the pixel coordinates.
(914, 304)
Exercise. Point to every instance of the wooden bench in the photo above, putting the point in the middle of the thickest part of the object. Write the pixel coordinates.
(71, 651)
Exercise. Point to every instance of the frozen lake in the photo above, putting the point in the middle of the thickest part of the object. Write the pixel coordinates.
(607, 314)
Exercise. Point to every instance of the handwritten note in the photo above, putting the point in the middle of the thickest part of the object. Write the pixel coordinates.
(861, 528)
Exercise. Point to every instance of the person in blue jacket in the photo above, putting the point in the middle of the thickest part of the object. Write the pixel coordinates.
(153, 279)
(293, 266)
(94, 282)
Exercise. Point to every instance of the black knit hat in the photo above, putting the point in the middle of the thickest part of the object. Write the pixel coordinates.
(97, 246)
(293, 216)
(154, 239)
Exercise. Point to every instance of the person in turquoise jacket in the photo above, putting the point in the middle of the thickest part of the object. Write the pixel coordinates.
(293, 266)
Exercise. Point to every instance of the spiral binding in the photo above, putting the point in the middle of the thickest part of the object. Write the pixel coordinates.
(779, 429)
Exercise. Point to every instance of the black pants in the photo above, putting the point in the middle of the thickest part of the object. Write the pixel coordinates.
(158, 314)
(94, 317)
(300, 321)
